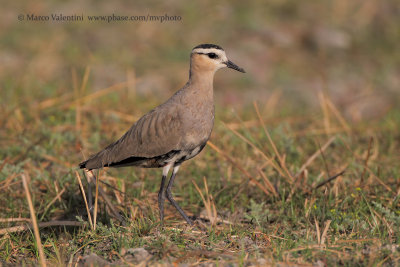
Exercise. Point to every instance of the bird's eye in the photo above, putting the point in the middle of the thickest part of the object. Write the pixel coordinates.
(212, 55)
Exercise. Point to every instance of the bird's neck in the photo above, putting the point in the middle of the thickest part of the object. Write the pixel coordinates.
(202, 80)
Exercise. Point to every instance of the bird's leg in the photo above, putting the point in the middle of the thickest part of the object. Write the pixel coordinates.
(161, 193)
(161, 199)
(171, 199)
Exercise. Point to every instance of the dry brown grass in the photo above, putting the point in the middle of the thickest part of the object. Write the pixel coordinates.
(320, 96)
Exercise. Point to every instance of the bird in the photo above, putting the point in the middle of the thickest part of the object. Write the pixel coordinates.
(174, 131)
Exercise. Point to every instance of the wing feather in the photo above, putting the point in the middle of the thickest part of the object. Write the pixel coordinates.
(155, 134)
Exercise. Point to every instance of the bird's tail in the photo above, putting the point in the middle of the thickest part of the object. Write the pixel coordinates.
(82, 165)
(93, 162)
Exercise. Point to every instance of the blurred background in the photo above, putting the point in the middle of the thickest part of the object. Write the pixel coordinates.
(348, 49)
(324, 74)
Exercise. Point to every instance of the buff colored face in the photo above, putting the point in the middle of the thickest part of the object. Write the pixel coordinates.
(212, 59)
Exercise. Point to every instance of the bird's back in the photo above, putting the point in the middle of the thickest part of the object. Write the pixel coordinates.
(175, 130)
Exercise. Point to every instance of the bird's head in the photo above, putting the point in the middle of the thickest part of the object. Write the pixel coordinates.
(210, 57)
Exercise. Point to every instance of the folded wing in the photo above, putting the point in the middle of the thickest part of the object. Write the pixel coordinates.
(155, 134)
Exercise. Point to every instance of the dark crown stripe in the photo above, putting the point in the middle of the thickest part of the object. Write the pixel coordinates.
(205, 46)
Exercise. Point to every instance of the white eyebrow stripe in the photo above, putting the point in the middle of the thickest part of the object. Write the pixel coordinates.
(207, 50)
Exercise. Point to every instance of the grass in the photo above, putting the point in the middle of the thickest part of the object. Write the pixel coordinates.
(320, 97)
(354, 219)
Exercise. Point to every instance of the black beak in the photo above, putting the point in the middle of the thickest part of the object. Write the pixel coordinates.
(232, 65)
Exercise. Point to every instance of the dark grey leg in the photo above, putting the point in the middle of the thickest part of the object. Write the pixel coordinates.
(171, 199)
(161, 193)
(161, 199)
